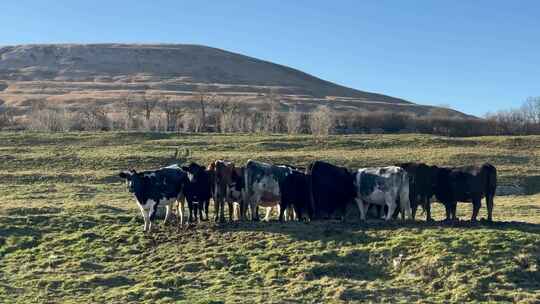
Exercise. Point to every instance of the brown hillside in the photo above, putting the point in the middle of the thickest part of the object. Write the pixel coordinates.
(106, 73)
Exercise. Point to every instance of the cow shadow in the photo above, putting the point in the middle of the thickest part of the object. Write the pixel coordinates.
(324, 231)
(355, 231)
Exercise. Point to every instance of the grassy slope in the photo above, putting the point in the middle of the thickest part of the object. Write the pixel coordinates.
(70, 232)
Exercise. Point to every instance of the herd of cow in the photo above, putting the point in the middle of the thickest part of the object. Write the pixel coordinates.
(320, 191)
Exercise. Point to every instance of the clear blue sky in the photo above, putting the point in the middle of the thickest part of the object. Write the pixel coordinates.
(475, 56)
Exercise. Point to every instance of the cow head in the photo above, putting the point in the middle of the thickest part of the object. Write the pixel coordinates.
(132, 179)
(193, 171)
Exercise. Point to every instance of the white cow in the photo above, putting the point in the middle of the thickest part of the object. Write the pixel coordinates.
(382, 186)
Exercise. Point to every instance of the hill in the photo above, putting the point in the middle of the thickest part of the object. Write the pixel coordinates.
(72, 74)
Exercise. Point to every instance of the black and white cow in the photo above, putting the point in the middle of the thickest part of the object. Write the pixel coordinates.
(161, 187)
(261, 186)
(466, 184)
(331, 189)
(382, 186)
(198, 191)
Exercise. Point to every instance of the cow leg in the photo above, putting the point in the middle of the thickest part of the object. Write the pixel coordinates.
(231, 210)
(391, 204)
(476, 208)
(267, 216)
(180, 211)
(454, 211)
(167, 213)
(151, 217)
(414, 208)
(216, 209)
(145, 216)
(427, 208)
(200, 206)
(190, 208)
(362, 208)
(448, 209)
(282, 213)
(489, 205)
(206, 207)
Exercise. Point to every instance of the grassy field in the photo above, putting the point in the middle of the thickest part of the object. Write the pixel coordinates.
(70, 232)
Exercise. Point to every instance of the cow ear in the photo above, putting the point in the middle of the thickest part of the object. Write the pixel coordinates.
(126, 174)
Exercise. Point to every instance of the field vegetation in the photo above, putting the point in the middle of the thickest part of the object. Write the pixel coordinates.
(70, 232)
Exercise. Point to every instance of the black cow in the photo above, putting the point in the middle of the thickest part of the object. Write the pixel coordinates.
(331, 188)
(198, 191)
(295, 193)
(466, 184)
(422, 180)
(164, 186)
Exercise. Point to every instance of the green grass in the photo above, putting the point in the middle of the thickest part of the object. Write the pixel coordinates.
(70, 232)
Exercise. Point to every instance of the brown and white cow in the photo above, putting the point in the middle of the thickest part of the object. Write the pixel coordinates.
(227, 188)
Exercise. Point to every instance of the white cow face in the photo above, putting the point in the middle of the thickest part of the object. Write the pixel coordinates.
(267, 184)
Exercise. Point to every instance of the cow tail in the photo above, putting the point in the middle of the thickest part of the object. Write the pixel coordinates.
(246, 191)
(311, 206)
(491, 172)
(405, 203)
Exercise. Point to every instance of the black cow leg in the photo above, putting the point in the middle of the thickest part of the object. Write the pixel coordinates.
(201, 209)
(427, 209)
(454, 211)
(206, 206)
(476, 208)
(216, 210)
(448, 209)
(190, 207)
(489, 205)
(221, 211)
(414, 207)
(282, 208)
(230, 205)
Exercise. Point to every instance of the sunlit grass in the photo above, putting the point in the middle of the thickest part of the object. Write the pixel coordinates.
(70, 232)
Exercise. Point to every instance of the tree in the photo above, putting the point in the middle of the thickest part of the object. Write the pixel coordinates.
(202, 97)
(272, 123)
(148, 104)
(130, 108)
(321, 122)
(7, 115)
(294, 121)
(173, 110)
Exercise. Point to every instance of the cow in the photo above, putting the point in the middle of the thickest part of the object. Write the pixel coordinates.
(382, 186)
(331, 188)
(422, 182)
(163, 186)
(198, 191)
(227, 188)
(262, 186)
(295, 193)
(466, 184)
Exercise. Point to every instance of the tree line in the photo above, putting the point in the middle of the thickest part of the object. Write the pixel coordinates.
(205, 112)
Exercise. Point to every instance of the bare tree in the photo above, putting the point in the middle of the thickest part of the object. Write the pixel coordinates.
(173, 110)
(531, 109)
(230, 119)
(7, 115)
(130, 109)
(321, 122)
(294, 121)
(272, 123)
(203, 96)
(42, 118)
(148, 104)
